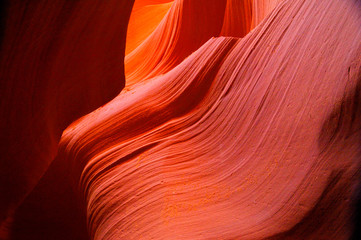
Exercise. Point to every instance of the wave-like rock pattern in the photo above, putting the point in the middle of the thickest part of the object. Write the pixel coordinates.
(237, 18)
(186, 26)
(146, 16)
(261, 8)
(246, 138)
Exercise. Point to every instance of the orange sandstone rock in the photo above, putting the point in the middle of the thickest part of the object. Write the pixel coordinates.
(252, 138)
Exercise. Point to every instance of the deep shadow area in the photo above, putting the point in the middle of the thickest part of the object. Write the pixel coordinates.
(52, 211)
(3, 6)
(357, 217)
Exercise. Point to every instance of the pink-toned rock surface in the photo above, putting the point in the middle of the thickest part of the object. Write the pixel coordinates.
(240, 119)
(248, 138)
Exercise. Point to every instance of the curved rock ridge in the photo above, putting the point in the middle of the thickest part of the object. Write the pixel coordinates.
(261, 9)
(237, 18)
(175, 38)
(145, 17)
(154, 50)
(252, 138)
(151, 106)
(59, 60)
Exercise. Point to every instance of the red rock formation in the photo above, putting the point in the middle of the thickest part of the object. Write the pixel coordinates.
(237, 18)
(186, 26)
(262, 8)
(59, 60)
(240, 120)
(249, 138)
(146, 16)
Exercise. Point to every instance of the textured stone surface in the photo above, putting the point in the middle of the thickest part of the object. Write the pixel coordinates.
(239, 119)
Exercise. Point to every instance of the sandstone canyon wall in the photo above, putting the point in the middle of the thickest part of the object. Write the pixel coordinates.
(59, 60)
(239, 119)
